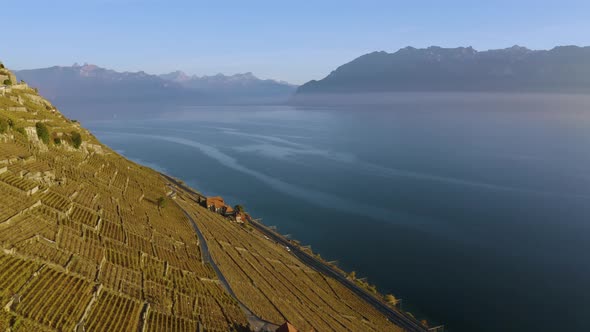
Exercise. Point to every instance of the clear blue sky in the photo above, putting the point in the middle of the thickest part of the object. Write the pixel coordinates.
(290, 40)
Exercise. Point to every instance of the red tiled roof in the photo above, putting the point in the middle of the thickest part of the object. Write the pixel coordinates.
(216, 201)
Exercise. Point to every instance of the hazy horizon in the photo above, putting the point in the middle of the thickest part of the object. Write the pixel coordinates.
(289, 42)
(278, 79)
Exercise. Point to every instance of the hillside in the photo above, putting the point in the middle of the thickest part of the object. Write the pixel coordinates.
(436, 69)
(94, 242)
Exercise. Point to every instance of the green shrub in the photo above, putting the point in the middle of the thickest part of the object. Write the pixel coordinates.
(21, 131)
(17, 322)
(162, 201)
(42, 132)
(1, 66)
(391, 300)
(3, 126)
(7, 82)
(76, 139)
(10, 123)
(57, 141)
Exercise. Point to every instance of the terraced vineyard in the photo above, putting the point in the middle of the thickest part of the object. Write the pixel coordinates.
(86, 246)
(276, 286)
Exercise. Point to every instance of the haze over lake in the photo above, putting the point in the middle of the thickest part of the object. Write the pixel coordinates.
(475, 207)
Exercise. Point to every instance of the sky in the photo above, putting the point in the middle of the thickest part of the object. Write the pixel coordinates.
(294, 41)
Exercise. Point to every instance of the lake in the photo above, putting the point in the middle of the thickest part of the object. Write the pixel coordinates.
(474, 209)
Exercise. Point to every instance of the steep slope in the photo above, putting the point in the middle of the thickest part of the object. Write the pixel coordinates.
(91, 241)
(515, 69)
(84, 241)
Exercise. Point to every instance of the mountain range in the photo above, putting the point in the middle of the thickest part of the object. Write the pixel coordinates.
(563, 69)
(240, 87)
(93, 83)
(436, 69)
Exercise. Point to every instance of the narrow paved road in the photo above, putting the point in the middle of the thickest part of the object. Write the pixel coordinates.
(256, 323)
(404, 321)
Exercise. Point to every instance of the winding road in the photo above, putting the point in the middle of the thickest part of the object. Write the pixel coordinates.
(402, 320)
(256, 323)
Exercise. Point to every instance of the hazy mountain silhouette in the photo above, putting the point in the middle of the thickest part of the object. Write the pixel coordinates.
(436, 69)
(239, 87)
(93, 83)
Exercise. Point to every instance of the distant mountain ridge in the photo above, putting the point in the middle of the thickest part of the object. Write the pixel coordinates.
(244, 85)
(92, 83)
(436, 69)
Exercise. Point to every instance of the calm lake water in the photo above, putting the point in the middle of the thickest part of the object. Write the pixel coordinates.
(474, 210)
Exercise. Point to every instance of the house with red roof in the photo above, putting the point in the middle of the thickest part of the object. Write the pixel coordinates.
(218, 205)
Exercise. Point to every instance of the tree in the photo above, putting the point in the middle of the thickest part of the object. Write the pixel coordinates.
(162, 201)
(7, 82)
(3, 126)
(42, 132)
(76, 139)
(239, 208)
(391, 299)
